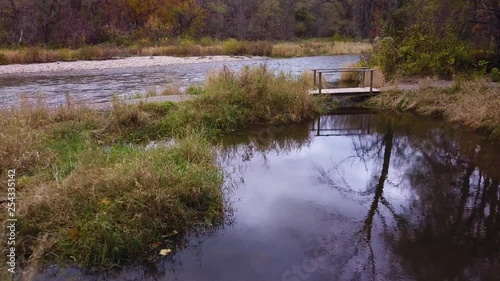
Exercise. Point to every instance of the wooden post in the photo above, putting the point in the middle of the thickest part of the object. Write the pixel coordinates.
(314, 73)
(371, 81)
(320, 82)
(319, 124)
(362, 78)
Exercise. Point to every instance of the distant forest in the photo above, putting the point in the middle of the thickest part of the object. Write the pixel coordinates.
(78, 22)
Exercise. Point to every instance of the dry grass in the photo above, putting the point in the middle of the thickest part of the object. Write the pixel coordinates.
(350, 76)
(355, 77)
(37, 251)
(227, 47)
(81, 195)
(287, 50)
(40, 55)
(118, 202)
(193, 50)
(473, 103)
(378, 78)
(230, 100)
(24, 129)
(311, 48)
(184, 47)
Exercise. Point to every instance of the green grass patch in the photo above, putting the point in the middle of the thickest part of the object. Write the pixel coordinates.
(119, 202)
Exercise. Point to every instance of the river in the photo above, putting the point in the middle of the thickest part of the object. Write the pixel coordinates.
(101, 85)
(352, 196)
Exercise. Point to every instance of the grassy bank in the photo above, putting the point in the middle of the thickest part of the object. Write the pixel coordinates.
(473, 103)
(89, 190)
(185, 47)
(229, 100)
(83, 197)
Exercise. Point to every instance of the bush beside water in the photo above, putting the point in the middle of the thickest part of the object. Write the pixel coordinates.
(421, 55)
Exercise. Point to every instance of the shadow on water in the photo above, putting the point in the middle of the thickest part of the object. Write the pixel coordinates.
(348, 197)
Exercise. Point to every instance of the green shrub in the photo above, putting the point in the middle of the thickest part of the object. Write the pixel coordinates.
(232, 46)
(385, 56)
(207, 41)
(66, 54)
(495, 75)
(422, 53)
(144, 42)
(187, 46)
(341, 38)
(195, 90)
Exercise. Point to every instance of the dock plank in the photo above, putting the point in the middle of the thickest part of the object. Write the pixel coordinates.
(346, 91)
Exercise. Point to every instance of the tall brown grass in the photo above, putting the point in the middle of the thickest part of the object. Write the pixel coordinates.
(309, 48)
(184, 47)
(41, 55)
(356, 77)
(231, 100)
(472, 103)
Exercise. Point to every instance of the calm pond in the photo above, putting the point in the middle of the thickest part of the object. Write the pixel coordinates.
(360, 196)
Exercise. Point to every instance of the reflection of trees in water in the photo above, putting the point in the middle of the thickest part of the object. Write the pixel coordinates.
(245, 145)
(449, 229)
(455, 216)
(358, 260)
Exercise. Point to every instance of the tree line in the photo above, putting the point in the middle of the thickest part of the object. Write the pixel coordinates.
(74, 22)
(79, 22)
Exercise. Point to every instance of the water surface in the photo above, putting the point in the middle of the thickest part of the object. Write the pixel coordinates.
(347, 197)
(101, 85)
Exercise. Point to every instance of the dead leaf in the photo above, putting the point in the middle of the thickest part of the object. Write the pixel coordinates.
(105, 201)
(74, 233)
(164, 252)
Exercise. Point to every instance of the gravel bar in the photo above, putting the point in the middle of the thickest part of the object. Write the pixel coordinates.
(128, 62)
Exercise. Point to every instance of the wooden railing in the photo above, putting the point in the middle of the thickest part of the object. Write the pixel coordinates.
(318, 73)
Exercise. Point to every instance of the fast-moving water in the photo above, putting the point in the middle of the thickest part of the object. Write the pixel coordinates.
(102, 85)
(347, 197)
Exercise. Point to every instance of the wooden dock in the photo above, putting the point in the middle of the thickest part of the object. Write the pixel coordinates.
(361, 91)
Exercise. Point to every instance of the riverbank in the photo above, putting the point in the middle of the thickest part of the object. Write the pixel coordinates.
(90, 190)
(186, 48)
(130, 62)
(473, 104)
